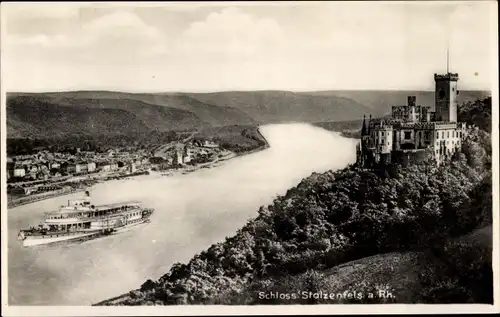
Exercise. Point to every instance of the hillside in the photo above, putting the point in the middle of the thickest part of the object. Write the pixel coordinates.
(411, 277)
(41, 117)
(160, 113)
(286, 106)
(406, 223)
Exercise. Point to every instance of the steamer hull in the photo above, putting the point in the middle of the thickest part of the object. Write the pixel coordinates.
(30, 241)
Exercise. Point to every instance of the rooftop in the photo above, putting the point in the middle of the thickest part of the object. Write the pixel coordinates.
(447, 76)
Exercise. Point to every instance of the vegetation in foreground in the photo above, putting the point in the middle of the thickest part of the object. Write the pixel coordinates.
(415, 214)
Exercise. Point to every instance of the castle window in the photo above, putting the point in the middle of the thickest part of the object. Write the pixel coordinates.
(448, 134)
(437, 135)
(382, 133)
(453, 133)
(407, 135)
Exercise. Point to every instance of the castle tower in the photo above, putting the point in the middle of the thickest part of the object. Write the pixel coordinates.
(446, 93)
(412, 103)
(363, 129)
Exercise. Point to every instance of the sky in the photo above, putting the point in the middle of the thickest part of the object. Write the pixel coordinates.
(199, 47)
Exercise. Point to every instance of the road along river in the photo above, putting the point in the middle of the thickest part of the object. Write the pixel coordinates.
(193, 211)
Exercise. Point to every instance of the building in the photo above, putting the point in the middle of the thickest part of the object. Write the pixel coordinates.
(187, 155)
(76, 168)
(414, 133)
(105, 167)
(84, 168)
(132, 168)
(91, 167)
(210, 144)
(19, 172)
(179, 159)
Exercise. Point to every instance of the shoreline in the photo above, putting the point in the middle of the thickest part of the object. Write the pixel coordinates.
(16, 202)
(260, 148)
(216, 162)
(180, 171)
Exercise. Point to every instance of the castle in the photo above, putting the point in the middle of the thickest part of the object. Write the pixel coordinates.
(414, 133)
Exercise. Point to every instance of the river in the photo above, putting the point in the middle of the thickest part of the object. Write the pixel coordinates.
(193, 211)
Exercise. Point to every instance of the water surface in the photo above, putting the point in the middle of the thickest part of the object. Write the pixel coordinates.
(193, 211)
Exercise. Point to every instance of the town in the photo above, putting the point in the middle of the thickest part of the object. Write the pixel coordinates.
(45, 174)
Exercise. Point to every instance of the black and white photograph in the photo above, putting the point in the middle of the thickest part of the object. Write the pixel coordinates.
(248, 157)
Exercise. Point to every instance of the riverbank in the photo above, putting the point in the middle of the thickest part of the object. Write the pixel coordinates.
(262, 139)
(347, 129)
(15, 202)
(217, 162)
(190, 169)
(231, 155)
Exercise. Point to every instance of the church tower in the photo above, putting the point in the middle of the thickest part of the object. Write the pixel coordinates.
(446, 93)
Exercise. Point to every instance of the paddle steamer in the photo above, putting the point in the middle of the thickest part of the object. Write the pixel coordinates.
(81, 220)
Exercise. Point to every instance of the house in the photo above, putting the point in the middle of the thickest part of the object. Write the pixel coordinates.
(84, 168)
(75, 168)
(32, 169)
(105, 167)
(19, 172)
(91, 167)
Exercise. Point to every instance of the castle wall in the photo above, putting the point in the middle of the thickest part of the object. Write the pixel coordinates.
(407, 139)
(410, 157)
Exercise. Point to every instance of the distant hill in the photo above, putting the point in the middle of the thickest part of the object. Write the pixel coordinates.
(286, 106)
(108, 112)
(211, 114)
(34, 116)
(381, 101)
(97, 113)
